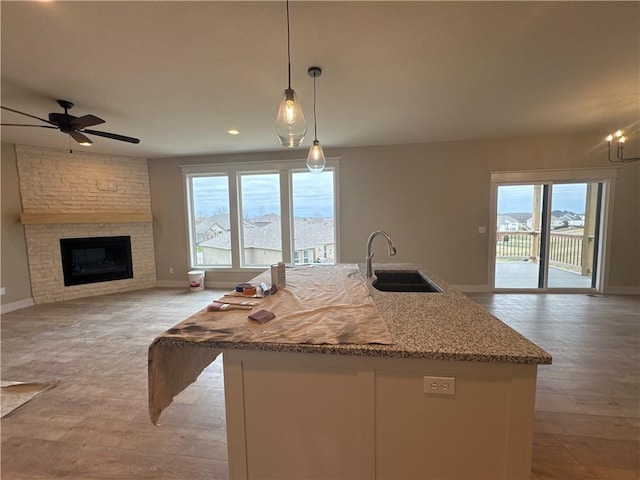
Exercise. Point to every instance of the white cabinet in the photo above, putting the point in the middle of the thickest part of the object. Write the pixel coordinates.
(294, 415)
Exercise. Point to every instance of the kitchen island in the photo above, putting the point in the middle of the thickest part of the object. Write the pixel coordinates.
(443, 390)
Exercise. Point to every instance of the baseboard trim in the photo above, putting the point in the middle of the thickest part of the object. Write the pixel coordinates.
(10, 307)
(185, 284)
(172, 283)
(622, 291)
(608, 291)
(473, 288)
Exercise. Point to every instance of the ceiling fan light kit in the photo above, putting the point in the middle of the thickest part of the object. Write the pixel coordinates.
(75, 127)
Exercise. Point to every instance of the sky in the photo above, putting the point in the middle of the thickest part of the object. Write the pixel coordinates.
(312, 194)
(519, 198)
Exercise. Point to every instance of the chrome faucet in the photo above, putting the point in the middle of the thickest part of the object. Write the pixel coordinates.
(392, 249)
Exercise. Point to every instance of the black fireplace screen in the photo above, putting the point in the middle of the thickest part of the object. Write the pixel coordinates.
(95, 259)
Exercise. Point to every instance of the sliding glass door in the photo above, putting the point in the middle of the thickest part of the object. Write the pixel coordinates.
(573, 240)
(547, 235)
(518, 236)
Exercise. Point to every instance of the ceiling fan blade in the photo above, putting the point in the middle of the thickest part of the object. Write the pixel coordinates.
(26, 125)
(80, 138)
(113, 136)
(86, 121)
(27, 115)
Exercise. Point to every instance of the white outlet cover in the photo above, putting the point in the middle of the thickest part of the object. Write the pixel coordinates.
(439, 385)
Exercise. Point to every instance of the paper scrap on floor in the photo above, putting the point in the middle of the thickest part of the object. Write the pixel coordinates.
(16, 394)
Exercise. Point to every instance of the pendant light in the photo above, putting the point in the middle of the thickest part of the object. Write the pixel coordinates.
(290, 126)
(315, 159)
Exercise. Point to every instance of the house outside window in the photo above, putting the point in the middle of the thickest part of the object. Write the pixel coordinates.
(250, 215)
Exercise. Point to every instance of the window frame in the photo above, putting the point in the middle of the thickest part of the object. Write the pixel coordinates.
(233, 171)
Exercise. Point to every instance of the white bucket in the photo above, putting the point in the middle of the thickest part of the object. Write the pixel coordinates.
(196, 280)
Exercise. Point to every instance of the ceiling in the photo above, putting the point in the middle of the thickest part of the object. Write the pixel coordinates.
(179, 74)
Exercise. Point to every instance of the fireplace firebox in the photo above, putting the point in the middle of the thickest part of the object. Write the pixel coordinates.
(95, 259)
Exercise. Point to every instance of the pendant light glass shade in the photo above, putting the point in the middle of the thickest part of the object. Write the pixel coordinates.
(290, 125)
(315, 160)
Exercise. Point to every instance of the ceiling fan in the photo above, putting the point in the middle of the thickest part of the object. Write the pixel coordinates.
(75, 127)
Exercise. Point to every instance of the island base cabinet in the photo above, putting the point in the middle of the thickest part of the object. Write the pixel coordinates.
(319, 416)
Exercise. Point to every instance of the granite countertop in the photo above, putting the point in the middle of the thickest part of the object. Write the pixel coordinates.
(448, 326)
(438, 326)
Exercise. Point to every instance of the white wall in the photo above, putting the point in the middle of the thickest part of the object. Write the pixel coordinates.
(14, 269)
(431, 198)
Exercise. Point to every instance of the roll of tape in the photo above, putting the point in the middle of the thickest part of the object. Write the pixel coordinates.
(241, 286)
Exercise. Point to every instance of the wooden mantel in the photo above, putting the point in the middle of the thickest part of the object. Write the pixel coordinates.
(85, 217)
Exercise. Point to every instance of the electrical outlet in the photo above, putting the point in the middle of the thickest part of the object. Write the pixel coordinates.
(2, 291)
(439, 385)
(107, 185)
(171, 270)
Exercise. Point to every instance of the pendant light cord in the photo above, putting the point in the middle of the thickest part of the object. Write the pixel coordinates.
(315, 123)
(288, 46)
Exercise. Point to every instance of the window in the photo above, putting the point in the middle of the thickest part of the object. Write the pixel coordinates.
(313, 226)
(210, 220)
(261, 224)
(250, 215)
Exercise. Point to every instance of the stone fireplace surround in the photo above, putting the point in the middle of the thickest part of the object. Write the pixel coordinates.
(83, 195)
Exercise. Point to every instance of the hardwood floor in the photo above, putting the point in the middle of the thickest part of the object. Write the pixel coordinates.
(587, 403)
(94, 425)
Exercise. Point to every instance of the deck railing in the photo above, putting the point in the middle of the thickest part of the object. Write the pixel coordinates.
(514, 245)
(565, 249)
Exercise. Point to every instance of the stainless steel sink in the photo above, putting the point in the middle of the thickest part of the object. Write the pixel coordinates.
(404, 281)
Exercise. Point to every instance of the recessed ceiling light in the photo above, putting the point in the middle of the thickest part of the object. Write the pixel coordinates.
(233, 131)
